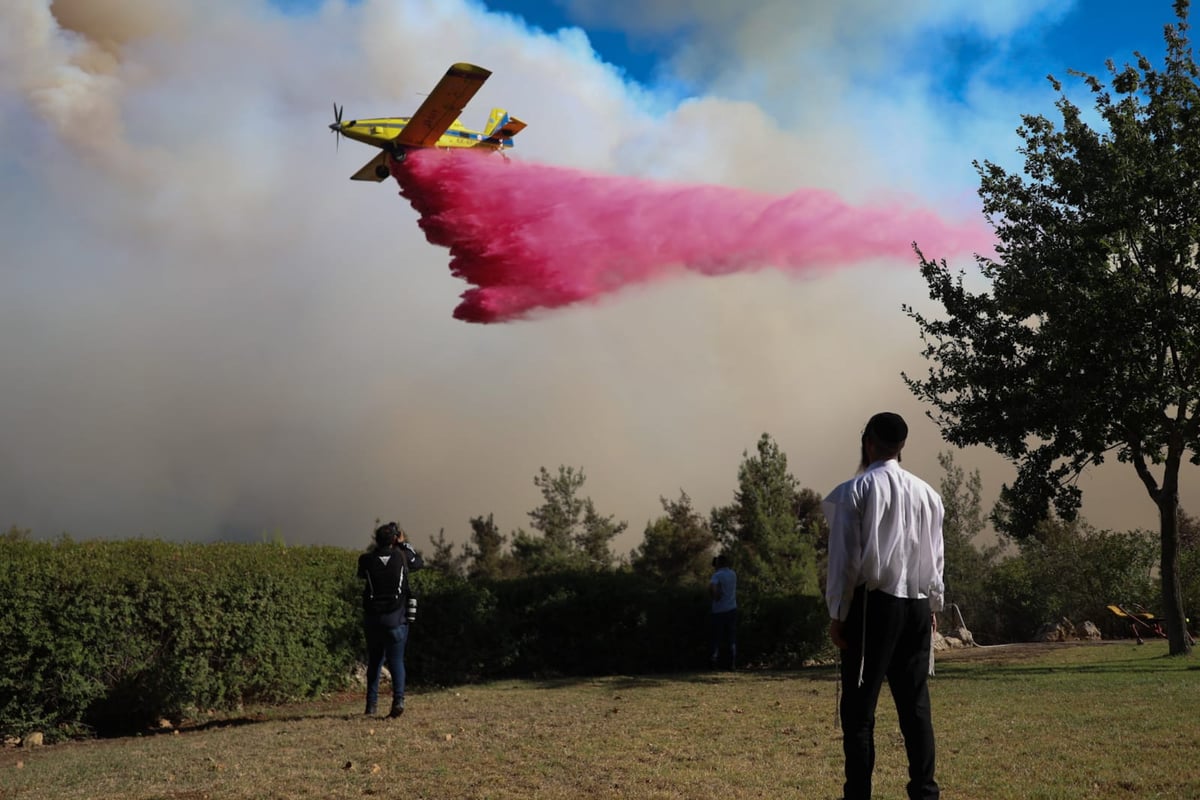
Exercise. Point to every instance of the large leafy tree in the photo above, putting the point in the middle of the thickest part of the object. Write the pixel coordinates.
(1088, 344)
(677, 547)
(771, 528)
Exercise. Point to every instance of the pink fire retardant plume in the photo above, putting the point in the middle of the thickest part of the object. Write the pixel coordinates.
(529, 236)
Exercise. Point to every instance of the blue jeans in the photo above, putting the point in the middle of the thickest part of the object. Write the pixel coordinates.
(385, 644)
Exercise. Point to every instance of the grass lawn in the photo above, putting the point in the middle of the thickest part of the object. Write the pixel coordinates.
(1102, 720)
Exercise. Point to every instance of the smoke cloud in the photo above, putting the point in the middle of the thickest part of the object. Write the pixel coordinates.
(207, 331)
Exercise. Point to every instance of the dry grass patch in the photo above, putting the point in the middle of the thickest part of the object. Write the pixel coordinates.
(1054, 722)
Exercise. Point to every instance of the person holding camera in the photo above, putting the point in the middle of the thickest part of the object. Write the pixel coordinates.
(389, 605)
(722, 589)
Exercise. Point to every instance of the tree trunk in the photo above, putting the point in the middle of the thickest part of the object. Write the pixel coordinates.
(1172, 595)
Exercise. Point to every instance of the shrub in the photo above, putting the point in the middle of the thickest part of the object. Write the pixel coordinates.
(112, 635)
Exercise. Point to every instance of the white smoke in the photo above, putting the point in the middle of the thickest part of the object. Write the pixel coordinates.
(209, 331)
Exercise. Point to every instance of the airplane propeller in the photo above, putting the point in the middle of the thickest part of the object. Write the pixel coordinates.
(336, 127)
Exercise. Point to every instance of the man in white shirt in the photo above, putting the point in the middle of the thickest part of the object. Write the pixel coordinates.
(885, 582)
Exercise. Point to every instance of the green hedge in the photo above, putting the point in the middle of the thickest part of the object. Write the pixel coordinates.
(114, 635)
(593, 624)
(109, 637)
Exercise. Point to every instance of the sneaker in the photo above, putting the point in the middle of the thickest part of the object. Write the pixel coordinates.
(396, 711)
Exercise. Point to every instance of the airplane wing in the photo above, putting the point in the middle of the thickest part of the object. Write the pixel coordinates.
(443, 106)
(371, 171)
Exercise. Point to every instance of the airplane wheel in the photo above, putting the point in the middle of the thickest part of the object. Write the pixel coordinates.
(399, 156)
(382, 172)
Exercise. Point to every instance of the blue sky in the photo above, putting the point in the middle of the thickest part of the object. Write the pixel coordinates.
(209, 331)
(638, 57)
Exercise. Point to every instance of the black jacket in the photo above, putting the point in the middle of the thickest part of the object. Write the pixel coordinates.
(384, 571)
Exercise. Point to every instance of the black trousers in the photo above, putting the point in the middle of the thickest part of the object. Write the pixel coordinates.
(723, 633)
(897, 649)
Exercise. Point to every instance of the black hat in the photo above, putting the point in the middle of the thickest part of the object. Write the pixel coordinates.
(887, 428)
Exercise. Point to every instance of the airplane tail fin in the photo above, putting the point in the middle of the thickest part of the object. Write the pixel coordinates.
(500, 129)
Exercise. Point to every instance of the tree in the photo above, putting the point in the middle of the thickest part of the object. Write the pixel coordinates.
(15, 534)
(770, 529)
(676, 548)
(967, 565)
(444, 558)
(574, 535)
(594, 540)
(1088, 343)
(485, 551)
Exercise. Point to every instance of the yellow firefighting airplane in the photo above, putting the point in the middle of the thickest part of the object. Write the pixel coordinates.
(435, 124)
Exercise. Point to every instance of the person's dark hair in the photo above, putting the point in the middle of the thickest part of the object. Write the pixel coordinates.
(387, 533)
(888, 431)
(720, 561)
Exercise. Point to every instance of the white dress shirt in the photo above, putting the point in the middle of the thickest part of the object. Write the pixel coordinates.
(885, 531)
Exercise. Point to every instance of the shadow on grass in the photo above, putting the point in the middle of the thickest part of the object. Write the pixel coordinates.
(332, 710)
(820, 673)
(191, 726)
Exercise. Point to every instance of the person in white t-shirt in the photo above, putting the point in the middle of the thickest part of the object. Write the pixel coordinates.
(722, 589)
(884, 583)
